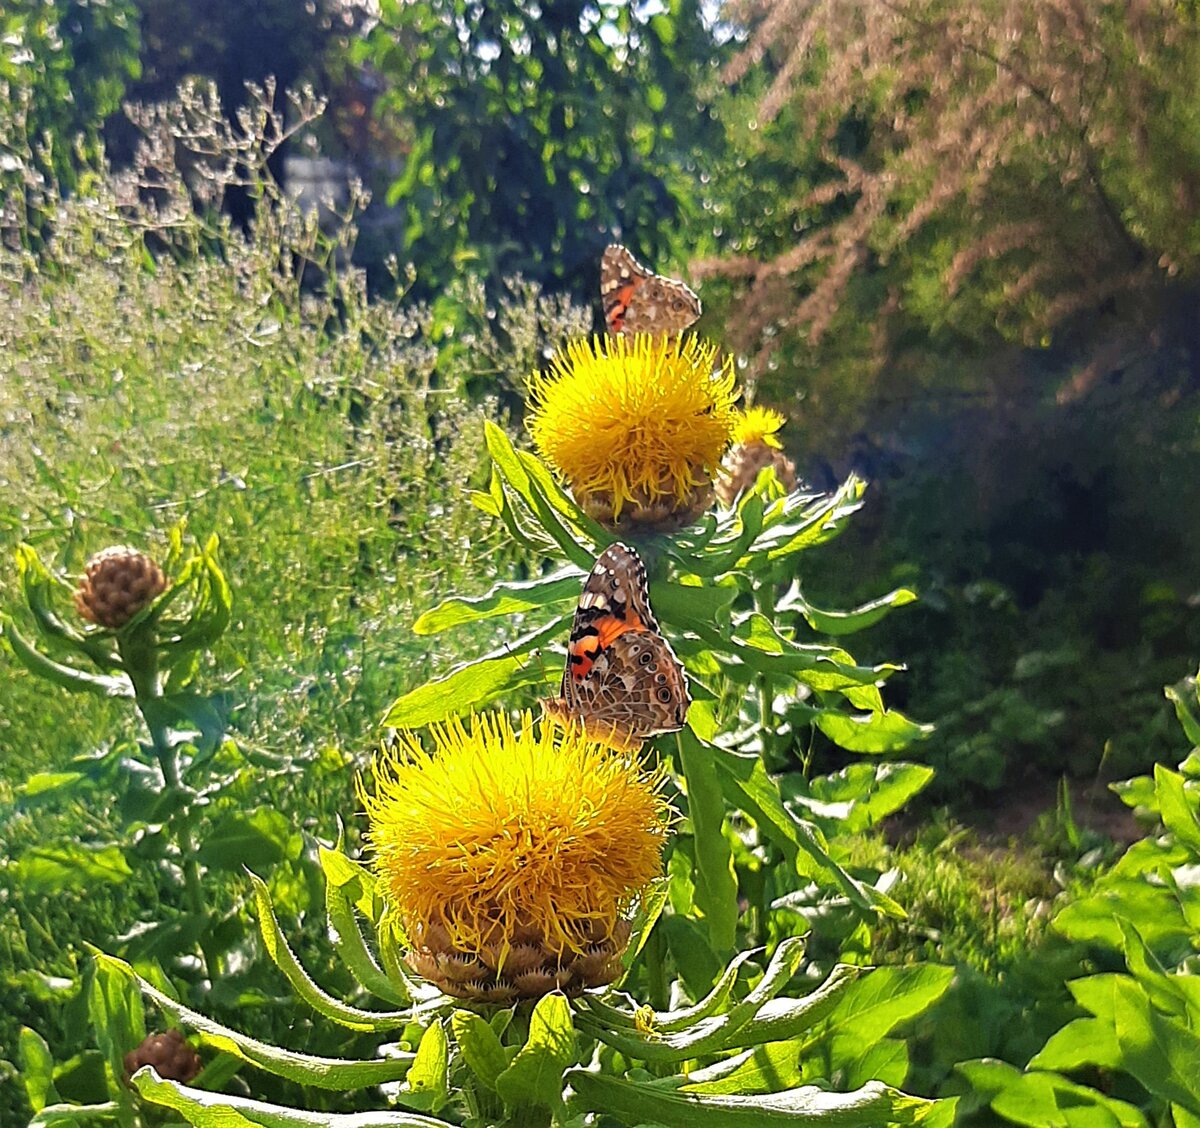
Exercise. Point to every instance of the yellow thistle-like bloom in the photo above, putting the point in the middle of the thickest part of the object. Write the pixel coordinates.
(759, 425)
(636, 426)
(511, 859)
(755, 447)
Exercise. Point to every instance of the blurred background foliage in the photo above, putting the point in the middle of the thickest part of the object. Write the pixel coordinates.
(956, 243)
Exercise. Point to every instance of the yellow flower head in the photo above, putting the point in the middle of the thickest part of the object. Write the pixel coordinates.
(511, 858)
(759, 425)
(635, 425)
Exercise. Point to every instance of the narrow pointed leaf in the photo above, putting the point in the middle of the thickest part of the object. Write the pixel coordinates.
(216, 1110)
(305, 1069)
(342, 878)
(847, 622)
(869, 1107)
(716, 885)
(277, 947)
(503, 599)
(475, 683)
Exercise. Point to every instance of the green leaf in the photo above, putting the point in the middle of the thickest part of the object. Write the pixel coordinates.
(710, 1033)
(783, 1018)
(37, 1069)
(1188, 720)
(888, 731)
(517, 475)
(344, 882)
(845, 622)
(42, 785)
(676, 1019)
(535, 1077)
(325, 1004)
(51, 869)
(304, 1069)
(1178, 807)
(115, 1012)
(763, 1069)
(1094, 919)
(681, 605)
(871, 1106)
(187, 710)
(68, 677)
(866, 793)
(716, 884)
(879, 1002)
(503, 599)
(216, 1110)
(1046, 1100)
(429, 1076)
(1082, 1042)
(750, 788)
(73, 1115)
(480, 1047)
(257, 840)
(475, 683)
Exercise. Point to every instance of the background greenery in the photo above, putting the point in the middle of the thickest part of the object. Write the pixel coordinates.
(1029, 474)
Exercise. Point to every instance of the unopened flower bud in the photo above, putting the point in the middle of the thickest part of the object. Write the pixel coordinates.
(168, 1053)
(117, 583)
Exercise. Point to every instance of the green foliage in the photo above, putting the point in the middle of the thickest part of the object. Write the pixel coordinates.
(754, 1052)
(174, 369)
(65, 65)
(535, 136)
(1141, 1022)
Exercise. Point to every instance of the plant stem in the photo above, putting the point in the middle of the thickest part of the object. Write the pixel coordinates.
(140, 659)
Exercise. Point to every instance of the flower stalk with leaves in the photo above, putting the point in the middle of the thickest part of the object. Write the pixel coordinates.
(142, 636)
(715, 586)
(519, 866)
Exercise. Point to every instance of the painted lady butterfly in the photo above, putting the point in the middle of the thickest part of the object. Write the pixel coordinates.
(622, 681)
(638, 301)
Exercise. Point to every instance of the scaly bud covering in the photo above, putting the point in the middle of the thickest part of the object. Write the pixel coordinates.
(117, 583)
(168, 1053)
(511, 859)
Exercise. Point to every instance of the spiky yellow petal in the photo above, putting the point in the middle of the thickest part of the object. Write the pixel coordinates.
(511, 857)
(635, 423)
(759, 425)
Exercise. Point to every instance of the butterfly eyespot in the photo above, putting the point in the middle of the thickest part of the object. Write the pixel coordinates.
(645, 658)
(660, 678)
(664, 695)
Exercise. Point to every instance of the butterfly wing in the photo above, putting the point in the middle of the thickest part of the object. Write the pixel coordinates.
(622, 680)
(636, 300)
(635, 689)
